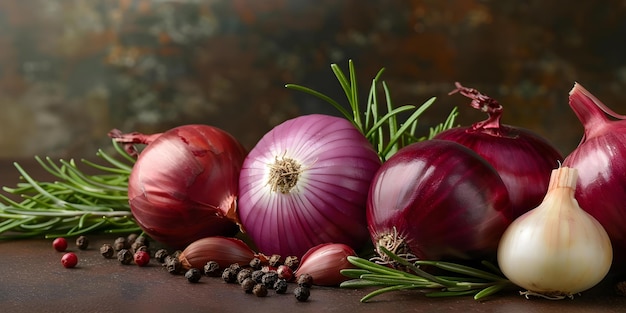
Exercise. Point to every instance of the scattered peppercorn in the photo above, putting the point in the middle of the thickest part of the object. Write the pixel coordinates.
(120, 243)
(235, 267)
(259, 290)
(143, 240)
(285, 272)
(82, 243)
(274, 260)
(257, 276)
(281, 286)
(247, 285)
(173, 265)
(130, 239)
(193, 275)
(125, 256)
(69, 260)
(256, 264)
(243, 274)
(142, 258)
(59, 244)
(269, 279)
(305, 280)
(229, 276)
(302, 293)
(292, 262)
(106, 250)
(137, 246)
(160, 255)
(212, 269)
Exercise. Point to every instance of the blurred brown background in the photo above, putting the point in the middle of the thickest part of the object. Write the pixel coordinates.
(70, 70)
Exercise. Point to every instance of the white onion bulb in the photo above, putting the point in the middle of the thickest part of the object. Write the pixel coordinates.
(557, 249)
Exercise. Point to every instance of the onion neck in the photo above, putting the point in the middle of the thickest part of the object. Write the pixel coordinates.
(590, 111)
(485, 104)
(284, 175)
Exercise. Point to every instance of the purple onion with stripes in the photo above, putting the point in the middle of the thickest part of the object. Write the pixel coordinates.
(305, 183)
(436, 200)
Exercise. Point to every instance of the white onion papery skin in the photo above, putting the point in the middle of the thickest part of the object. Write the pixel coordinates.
(337, 165)
(556, 249)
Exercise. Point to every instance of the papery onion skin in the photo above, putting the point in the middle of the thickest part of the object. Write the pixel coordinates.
(324, 263)
(601, 162)
(327, 204)
(439, 200)
(223, 250)
(184, 184)
(523, 159)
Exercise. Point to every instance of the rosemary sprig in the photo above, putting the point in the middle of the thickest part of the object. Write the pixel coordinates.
(379, 122)
(476, 282)
(77, 203)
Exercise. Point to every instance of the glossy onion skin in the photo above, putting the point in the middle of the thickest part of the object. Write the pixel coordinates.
(523, 160)
(328, 203)
(444, 200)
(184, 185)
(601, 162)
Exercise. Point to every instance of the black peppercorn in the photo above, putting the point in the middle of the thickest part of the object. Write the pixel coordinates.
(259, 290)
(243, 274)
(257, 276)
(248, 284)
(229, 276)
(269, 279)
(125, 256)
(143, 240)
(193, 275)
(82, 242)
(255, 264)
(274, 260)
(280, 286)
(160, 255)
(212, 269)
(305, 280)
(292, 262)
(120, 243)
(106, 250)
(172, 265)
(302, 293)
(130, 239)
(235, 268)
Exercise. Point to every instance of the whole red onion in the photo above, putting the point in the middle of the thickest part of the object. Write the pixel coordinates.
(438, 199)
(184, 184)
(523, 159)
(306, 183)
(600, 159)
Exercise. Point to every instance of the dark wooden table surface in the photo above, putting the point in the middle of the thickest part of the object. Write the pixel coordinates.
(32, 279)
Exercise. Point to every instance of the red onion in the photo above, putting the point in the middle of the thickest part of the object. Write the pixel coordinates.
(184, 184)
(306, 183)
(437, 199)
(600, 161)
(523, 159)
(324, 263)
(223, 250)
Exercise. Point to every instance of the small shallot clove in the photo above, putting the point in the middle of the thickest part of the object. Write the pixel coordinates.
(324, 263)
(223, 250)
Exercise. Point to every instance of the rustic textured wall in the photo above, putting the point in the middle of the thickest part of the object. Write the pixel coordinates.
(71, 70)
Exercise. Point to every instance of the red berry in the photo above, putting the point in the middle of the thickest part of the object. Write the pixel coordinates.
(59, 244)
(69, 260)
(142, 258)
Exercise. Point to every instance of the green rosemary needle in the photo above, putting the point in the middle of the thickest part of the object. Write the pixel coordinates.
(476, 282)
(76, 203)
